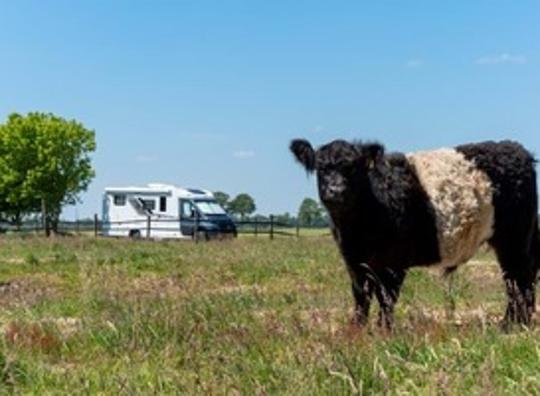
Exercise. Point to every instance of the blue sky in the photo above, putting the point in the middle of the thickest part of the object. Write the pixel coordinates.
(209, 93)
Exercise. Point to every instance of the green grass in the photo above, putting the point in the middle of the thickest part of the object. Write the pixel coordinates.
(245, 316)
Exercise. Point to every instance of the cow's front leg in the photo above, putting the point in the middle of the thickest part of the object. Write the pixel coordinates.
(387, 289)
(363, 286)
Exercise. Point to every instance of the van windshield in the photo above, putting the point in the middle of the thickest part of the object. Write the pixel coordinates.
(210, 207)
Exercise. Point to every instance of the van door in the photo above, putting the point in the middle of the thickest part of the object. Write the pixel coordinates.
(187, 217)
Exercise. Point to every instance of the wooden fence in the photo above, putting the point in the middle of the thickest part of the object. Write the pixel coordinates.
(149, 226)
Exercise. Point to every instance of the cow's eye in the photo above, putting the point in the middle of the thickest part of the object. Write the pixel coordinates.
(348, 168)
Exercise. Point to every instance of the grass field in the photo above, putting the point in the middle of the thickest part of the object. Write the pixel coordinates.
(247, 316)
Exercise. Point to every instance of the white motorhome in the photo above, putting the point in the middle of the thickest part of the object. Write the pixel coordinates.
(163, 211)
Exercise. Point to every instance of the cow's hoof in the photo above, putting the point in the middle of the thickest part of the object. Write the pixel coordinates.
(359, 322)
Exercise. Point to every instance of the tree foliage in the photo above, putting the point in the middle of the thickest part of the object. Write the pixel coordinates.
(44, 160)
(222, 199)
(242, 205)
(285, 219)
(311, 213)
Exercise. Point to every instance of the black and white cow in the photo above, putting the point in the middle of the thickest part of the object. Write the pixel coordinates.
(395, 211)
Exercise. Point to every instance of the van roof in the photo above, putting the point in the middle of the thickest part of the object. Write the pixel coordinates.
(161, 189)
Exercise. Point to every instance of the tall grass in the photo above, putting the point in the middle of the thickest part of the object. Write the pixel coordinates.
(248, 316)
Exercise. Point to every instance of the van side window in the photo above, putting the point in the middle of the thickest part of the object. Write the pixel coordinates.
(119, 200)
(149, 204)
(187, 209)
(162, 204)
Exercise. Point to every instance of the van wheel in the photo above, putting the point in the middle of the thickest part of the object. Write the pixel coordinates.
(135, 234)
(202, 236)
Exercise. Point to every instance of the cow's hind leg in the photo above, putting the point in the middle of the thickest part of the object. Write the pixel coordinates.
(388, 286)
(519, 267)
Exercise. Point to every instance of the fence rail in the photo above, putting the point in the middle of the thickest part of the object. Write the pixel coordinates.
(148, 227)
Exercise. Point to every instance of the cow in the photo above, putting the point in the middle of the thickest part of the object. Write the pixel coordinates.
(394, 211)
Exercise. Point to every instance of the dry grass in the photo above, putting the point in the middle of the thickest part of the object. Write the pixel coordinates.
(27, 290)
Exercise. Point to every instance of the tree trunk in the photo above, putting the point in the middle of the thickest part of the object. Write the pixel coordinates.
(17, 219)
(45, 218)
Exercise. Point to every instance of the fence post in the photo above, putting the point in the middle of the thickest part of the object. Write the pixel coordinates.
(45, 217)
(297, 228)
(271, 226)
(148, 226)
(256, 227)
(196, 227)
(95, 225)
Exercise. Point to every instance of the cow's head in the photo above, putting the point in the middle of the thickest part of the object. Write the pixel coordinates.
(342, 167)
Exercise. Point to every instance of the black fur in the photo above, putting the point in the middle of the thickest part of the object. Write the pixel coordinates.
(304, 153)
(511, 170)
(384, 222)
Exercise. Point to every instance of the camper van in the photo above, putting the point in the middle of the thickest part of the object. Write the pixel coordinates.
(164, 211)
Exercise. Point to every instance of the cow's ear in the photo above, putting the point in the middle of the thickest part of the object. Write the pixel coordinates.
(373, 153)
(304, 153)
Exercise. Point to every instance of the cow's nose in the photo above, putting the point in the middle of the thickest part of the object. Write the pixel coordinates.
(335, 189)
(332, 192)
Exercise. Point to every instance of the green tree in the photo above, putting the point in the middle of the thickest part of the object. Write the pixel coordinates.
(13, 207)
(222, 199)
(284, 218)
(44, 164)
(15, 161)
(260, 218)
(243, 204)
(310, 213)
